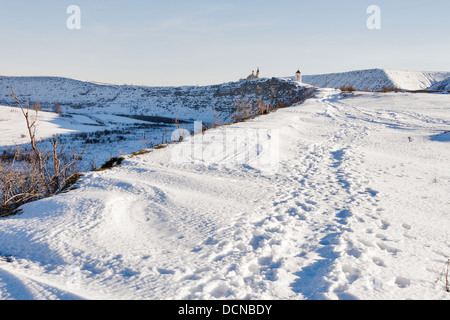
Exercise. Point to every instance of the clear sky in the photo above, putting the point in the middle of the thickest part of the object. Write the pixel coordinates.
(189, 42)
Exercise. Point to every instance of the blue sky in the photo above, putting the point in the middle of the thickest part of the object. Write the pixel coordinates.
(191, 42)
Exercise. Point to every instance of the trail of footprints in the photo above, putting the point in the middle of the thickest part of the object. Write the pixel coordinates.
(323, 212)
(309, 226)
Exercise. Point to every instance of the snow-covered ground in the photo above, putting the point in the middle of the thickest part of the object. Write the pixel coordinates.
(336, 198)
(13, 129)
(377, 79)
(103, 135)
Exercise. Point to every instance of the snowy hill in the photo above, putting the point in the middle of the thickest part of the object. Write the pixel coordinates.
(190, 102)
(377, 79)
(415, 80)
(355, 207)
(111, 120)
(195, 102)
(441, 86)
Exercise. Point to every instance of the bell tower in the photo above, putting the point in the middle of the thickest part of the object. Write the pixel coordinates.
(298, 76)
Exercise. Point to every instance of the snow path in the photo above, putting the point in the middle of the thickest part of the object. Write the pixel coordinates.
(358, 209)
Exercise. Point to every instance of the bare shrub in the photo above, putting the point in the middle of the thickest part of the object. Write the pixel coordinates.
(216, 122)
(41, 171)
(113, 162)
(444, 277)
(36, 107)
(19, 183)
(58, 109)
(347, 88)
(389, 89)
(263, 108)
(247, 109)
(243, 109)
(301, 98)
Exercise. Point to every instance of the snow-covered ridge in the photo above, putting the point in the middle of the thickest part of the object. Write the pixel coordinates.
(415, 80)
(441, 86)
(377, 79)
(189, 102)
(197, 102)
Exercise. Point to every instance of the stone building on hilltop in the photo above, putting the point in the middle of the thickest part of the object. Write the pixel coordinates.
(253, 75)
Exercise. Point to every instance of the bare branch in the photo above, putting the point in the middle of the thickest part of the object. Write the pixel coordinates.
(31, 175)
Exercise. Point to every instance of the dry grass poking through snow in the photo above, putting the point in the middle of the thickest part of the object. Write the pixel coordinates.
(41, 171)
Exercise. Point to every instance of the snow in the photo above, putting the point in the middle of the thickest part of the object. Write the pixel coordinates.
(125, 119)
(441, 86)
(13, 131)
(443, 137)
(377, 79)
(204, 103)
(342, 197)
(414, 80)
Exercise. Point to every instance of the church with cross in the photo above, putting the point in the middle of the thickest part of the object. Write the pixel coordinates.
(257, 75)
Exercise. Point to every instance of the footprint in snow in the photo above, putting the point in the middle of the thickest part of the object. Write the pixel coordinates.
(166, 271)
(402, 282)
(379, 262)
(406, 226)
(385, 225)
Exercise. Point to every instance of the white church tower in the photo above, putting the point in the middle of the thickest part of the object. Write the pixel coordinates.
(298, 76)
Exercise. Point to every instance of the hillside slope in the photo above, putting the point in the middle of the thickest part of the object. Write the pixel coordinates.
(192, 102)
(352, 205)
(377, 79)
(415, 80)
(441, 86)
